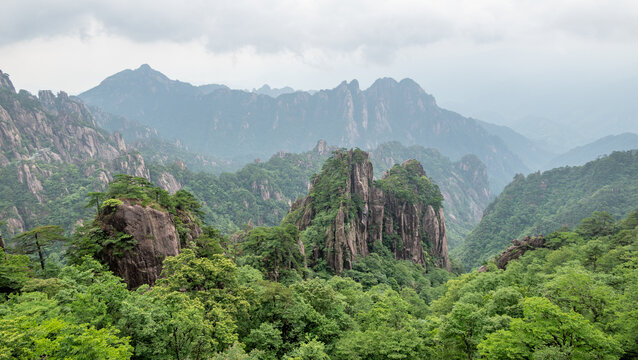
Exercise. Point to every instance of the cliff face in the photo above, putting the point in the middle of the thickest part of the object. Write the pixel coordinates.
(51, 148)
(155, 236)
(358, 214)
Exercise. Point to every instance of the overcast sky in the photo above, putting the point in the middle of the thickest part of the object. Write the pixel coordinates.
(500, 60)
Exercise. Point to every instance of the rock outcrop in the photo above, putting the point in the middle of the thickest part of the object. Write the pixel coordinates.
(5, 83)
(516, 250)
(155, 237)
(363, 215)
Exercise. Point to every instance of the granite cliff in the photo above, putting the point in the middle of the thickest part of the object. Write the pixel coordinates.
(348, 214)
(155, 238)
(138, 226)
(52, 152)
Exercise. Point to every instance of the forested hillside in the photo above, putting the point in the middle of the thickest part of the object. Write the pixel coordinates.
(543, 202)
(254, 298)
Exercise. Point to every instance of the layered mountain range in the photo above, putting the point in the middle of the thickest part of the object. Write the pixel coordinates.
(55, 151)
(232, 123)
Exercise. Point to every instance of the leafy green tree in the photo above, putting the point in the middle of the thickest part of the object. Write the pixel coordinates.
(36, 240)
(575, 288)
(274, 250)
(95, 199)
(546, 329)
(267, 338)
(311, 350)
(91, 294)
(14, 272)
(600, 223)
(213, 282)
(33, 327)
(463, 329)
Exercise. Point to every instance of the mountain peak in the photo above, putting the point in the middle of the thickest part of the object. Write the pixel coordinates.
(5, 82)
(384, 83)
(410, 84)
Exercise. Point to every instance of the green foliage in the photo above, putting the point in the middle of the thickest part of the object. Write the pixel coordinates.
(14, 272)
(110, 205)
(274, 250)
(543, 327)
(32, 326)
(407, 183)
(575, 299)
(36, 241)
(546, 202)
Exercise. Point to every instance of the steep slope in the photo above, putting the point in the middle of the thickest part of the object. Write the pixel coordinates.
(228, 122)
(52, 154)
(463, 183)
(46, 187)
(156, 149)
(138, 225)
(347, 214)
(604, 146)
(543, 202)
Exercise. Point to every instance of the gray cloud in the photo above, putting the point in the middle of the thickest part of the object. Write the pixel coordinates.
(375, 29)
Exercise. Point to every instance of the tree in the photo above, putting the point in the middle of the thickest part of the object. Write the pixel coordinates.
(213, 282)
(32, 327)
(600, 223)
(311, 350)
(575, 288)
(14, 272)
(545, 329)
(274, 249)
(95, 199)
(35, 240)
(463, 328)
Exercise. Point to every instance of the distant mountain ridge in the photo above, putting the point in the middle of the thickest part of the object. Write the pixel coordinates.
(228, 122)
(601, 147)
(55, 150)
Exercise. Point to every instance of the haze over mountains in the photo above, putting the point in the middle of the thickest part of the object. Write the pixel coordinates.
(235, 126)
(232, 123)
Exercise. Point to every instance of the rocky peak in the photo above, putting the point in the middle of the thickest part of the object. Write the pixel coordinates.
(5, 82)
(366, 214)
(322, 147)
(155, 237)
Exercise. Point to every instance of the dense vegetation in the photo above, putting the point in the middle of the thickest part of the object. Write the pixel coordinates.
(253, 298)
(258, 194)
(405, 183)
(543, 202)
